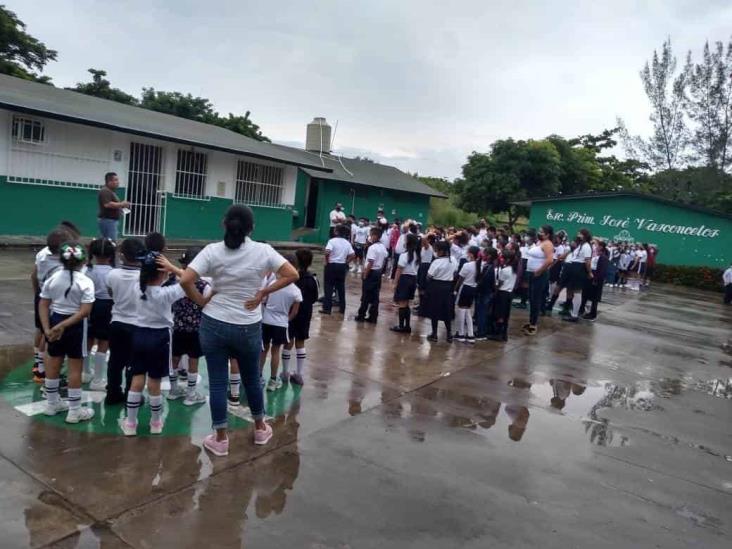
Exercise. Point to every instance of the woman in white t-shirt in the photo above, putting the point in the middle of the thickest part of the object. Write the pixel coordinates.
(231, 323)
(579, 263)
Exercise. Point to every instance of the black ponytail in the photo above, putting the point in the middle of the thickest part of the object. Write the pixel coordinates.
(148, 272)
(475, 252)
(71, 256)
(238, 224)
(414, 247)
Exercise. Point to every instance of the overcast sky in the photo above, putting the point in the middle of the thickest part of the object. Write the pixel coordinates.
(413, 83)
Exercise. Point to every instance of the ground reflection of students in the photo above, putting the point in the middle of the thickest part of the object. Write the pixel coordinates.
(517, 411)
(562, 389)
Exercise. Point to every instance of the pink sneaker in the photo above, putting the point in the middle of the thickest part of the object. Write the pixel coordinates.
(156, 427)
(216, 447)
(262, 436)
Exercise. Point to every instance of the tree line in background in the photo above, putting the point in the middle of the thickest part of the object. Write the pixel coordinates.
(23, 56)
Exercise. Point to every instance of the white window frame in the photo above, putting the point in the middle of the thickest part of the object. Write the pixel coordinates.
(17, 130)
(191, 174)
(257, 184)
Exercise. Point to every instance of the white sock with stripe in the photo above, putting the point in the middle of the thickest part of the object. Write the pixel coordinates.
(74, 398)
(52, 390)
(156, 407)
(134, 401)
(234, 384)
(286, 355)
(192, 380)
(302, 357)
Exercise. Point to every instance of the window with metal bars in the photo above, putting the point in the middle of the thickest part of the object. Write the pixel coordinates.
(258, 184)
(190, 175)
(27, 130)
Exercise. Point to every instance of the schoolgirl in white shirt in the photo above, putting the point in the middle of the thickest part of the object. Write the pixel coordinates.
(426, 256)
(506, 276)
(406, 281)
(66, 300)
(102, 252)
(580, 272)
(466, 286)
(439, 302)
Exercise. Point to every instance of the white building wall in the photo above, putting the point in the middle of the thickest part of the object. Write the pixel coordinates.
(74, 153)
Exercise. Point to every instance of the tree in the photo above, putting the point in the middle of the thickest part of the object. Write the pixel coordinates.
(101, 87)
(512, 171)
(20, 53)
(708, 104)
(438, 183)
(665, 148)
(242, 125)
(702, 186)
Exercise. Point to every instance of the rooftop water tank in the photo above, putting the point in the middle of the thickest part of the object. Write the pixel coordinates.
(317, 137)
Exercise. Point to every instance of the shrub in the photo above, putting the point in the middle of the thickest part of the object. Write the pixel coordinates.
(702, 278)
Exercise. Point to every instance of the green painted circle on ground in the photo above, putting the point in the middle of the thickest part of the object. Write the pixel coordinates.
(18, 389)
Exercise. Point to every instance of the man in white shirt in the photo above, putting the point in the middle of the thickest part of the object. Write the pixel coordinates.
(337, 217)
(727, 281)
(359, 237)
(338, 254)
(375, 260)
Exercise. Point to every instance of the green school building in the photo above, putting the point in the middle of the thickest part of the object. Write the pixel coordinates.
(684, 234)
(180, 175)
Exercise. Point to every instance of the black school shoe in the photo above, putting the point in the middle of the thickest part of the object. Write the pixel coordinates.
(570, 319)
(114, 398)
(401, 329)
(588, 316)
(359, 319)
(432, 337)
(370, 320)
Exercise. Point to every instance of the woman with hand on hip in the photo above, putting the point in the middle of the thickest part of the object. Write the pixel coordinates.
(231, 323)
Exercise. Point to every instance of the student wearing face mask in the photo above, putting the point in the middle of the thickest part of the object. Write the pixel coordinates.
(337, 217)
(580, 272)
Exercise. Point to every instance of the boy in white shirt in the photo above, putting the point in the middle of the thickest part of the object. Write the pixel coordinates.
(338, 254)
(376, 256)
(282, 306)
(359, 237)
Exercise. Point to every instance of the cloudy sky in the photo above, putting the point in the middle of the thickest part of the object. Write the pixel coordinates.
(414, 83)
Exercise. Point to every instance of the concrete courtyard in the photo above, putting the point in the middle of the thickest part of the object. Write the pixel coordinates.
(612, 434)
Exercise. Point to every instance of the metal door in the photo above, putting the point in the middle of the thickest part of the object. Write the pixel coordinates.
(145, 190)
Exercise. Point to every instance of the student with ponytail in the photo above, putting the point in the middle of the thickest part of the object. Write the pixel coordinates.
(231, 323)
(66, 300)
(102, 252)
(408, 265)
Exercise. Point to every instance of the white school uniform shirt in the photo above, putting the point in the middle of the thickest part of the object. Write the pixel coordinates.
(361, 235)
(474, 241)
(442, 268)
(580, 253)
(156, 311)
(98, 274)
(378, 254)
(727, 276)
(385, 239)
(624, 261)
(336, 218)
(642, 256)
(46, 264)
(427, 254)
(237, 276)
(123, 285)
(408, 267)
(456, 252)
(82, 291)
(338, 250)
(468, 274)
(276, 312)
(506, 279)
(401, 245)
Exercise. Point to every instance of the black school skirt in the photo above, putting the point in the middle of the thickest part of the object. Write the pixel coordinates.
(422, 276)
(555, 270)
(466, 296)
(576, 276)
(406, 287)
(439, 302)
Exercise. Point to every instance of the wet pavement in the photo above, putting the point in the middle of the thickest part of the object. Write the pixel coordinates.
(612, 434)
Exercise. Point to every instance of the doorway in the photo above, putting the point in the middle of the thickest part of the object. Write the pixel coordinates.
(311, 208)
(145, 190)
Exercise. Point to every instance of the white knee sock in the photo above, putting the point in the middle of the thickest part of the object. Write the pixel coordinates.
(192, 380)
(234, 384)
(134, 401)
(576, 302)
(286, 355)
(156, 407)
(74, 398)
(460, 320)
(100, 365)
(42, 365)
(302, 357)
(52, 390)
(469, 321)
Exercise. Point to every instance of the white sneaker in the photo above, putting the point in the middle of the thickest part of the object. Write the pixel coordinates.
(129, 429)
(98, 385)
(53, 409)
(274, 384)
(175, 393)
(193, 399)
(80, 414)
(86, 377)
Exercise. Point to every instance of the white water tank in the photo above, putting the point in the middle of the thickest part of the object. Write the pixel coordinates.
(317, 137)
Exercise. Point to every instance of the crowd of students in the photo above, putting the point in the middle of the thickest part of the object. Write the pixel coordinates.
(123, 316)
(469, 278)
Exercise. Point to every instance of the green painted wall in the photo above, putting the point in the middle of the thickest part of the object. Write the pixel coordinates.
(683, 236)
(34, 210)
(362, 200)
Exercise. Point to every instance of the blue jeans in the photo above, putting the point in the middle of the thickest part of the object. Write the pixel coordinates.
(483, 304)
(107, 228)
(537, 287)
(220, 341)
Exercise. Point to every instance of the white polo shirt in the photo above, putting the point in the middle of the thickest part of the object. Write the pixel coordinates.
(338, 249)
(46, 264)
(507, 279)
(442, 268)
(408, 267)
(98, 275)
(123, 285)
(156, 310)
(82, 291)
(237, 277)
(467, 273)
(378, 254)
(580, 253)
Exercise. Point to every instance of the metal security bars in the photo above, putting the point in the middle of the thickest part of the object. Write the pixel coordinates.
(258, 184)
(27, 130)
(145, 189)
(190, 175)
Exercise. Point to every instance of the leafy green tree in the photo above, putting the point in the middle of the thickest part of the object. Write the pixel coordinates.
(242, 125)
(579, 168)
(709, 104)
(665, 90)
(702, 186)
(438, 183)
(101, 87)
(512, 171)
(20, 53)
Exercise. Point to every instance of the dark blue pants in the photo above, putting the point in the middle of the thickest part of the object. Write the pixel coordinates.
(334, 276)
(483, 306)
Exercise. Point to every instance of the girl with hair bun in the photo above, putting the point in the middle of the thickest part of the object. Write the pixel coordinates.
(66, 300)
